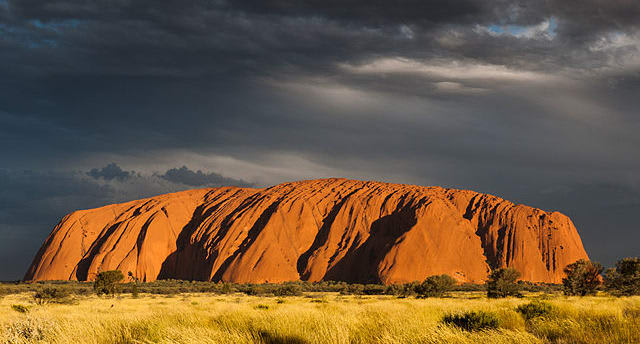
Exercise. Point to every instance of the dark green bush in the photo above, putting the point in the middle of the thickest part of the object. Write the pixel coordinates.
(435, 286)
(393, 289)
(288, 290)
(108, 282)
(582, 278)
(255, 290)
(353, 289)
(624, 279)
(20, 308)
(473, 320)
(534, 309)
(225, 288)
(51, 294)
(502, 283)
(409, 289)
(373, 289)
(133, 285)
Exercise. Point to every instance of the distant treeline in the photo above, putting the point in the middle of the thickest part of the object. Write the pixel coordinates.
(169, 287)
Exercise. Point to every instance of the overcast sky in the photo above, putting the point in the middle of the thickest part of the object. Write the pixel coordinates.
(107, 101)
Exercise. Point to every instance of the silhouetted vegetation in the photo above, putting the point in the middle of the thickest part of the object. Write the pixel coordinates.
(108, 282)
(582, 278)
(624, 279)
(502, 283)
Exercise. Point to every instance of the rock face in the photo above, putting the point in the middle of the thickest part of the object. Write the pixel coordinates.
(329, 229)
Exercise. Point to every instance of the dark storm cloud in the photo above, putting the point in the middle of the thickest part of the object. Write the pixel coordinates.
(592, 16)
(524, 99)
(245, 38)
(184, 175)
(110, 172)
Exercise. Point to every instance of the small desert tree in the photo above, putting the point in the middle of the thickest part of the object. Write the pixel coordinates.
(582, 278)
(435, 286)
(133, 280)
(107, 282)
(624, 279)
(502, 283)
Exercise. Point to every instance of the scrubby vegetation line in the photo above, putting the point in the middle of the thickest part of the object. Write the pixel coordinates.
(435, 286)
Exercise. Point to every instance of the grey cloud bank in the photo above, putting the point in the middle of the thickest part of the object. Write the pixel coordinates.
(533, 101)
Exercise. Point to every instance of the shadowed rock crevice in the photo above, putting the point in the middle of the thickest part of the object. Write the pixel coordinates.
(185, 248)
(250, 238)
(321, 238)
(361, 263)
(84, 264)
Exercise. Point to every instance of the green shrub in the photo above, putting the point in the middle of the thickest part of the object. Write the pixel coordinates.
(435, 286)
(373, 289)
(502, 283)
(51, 294)
(135, 293)
(108, 282)
(409, 289)
(226, 288)
(534, 309)
(261, 306)
(255, 290)
(393, 289)
(582, 278)
(133, 285)
(473, 320)
(624, 279)
(20, 308)
(288, 290)
(353, 289)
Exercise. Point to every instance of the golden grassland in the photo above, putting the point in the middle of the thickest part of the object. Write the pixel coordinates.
(313, 318)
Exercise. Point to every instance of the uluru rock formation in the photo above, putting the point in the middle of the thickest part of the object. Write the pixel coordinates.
(329, 229)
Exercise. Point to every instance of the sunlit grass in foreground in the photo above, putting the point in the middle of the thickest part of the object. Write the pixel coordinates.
(313, 318)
